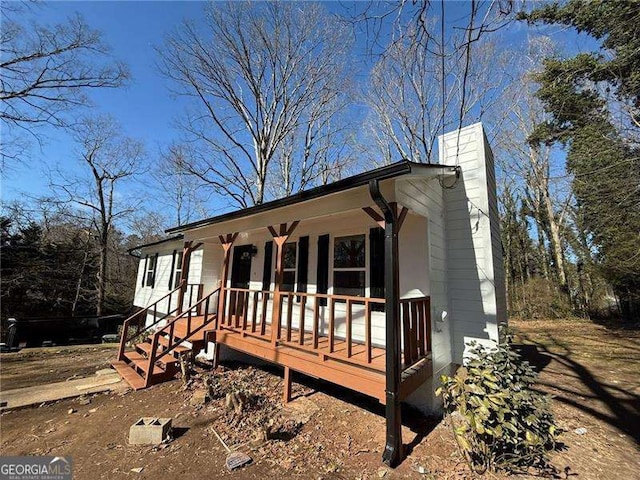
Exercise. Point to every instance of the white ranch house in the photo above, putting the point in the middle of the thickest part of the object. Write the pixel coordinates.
(376, 282)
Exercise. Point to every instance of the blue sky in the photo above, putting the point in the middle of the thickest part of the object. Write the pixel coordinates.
(145, 108)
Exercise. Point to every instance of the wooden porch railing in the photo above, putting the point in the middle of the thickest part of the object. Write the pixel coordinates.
(137, 320)
(237, 303)
(415, 316)
(193, 294)
(300, 299)
(248, 311)
(203, 306)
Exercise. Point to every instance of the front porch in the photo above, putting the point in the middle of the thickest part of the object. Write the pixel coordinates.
(312, 283)
(354, 341)
(321, 335)
(314, 339)
(307, 338)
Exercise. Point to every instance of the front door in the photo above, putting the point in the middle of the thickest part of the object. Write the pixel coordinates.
(241, 270)
(240, 277)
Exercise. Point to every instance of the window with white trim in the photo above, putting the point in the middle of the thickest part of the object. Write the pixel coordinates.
(177, 269)
(289, 259)
(349, 265)
(151, 271)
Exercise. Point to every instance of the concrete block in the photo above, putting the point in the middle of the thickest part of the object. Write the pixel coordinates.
(149, 430)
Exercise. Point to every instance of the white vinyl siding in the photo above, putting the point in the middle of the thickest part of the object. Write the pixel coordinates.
(476, 275)
(425, 197)
(146, 295)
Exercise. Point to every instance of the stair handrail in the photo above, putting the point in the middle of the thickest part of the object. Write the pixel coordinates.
(170, 328)
(125, 325)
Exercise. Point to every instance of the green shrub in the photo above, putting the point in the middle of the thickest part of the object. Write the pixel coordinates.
(501, 423)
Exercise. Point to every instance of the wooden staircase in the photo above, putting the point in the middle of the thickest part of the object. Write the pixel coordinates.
(155, 358)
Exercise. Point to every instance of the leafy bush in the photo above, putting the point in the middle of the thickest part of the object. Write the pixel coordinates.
(501, 423)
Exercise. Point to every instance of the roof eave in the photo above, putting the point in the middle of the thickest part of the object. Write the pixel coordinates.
(397, 169)
(158, 242)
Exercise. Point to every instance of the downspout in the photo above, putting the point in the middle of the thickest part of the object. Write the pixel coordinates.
(393, 449)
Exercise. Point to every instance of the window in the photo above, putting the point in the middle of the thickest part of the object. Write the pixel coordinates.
(177, 269)
(349, 267)
(151, 271)
(289, 267)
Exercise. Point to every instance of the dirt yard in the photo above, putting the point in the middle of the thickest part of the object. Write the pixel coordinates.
(327, 432)
(36, 366)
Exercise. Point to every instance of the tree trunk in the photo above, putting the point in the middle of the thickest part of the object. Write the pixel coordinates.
(102, 273)
(584, 283)
(543, 250)
(79, 285)
(556, 243)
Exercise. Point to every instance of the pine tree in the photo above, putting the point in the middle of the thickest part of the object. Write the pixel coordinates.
(602, 148)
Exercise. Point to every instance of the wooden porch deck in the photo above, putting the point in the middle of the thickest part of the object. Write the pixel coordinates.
(310, 349)
(339, 352)
(298, 341)
(353, 372)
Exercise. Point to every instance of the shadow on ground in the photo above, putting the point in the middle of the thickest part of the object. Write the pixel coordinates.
(584, 389)
(616, 324)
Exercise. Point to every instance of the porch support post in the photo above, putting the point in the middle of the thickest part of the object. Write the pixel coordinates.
(287, 385)
(393, 449)
(280, 237)
(184, 271)
(227, 242)
(216, 356)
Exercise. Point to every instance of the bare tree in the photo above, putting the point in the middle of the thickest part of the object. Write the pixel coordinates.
(51, 260)
(178, 190)
(423, 86)
(47, 71)
(516, 243)
(108, 159)
(543, 184)
(255, 72)
(147, 226)
(382, 20)
(319, 151)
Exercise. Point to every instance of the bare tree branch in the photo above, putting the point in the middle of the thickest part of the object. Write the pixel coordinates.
(257, 74)
(46, 71)
(108, 160)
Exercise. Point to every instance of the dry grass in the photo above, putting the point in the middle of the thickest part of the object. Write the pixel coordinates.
(609, 345)
(39, 366)
(591, 370)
